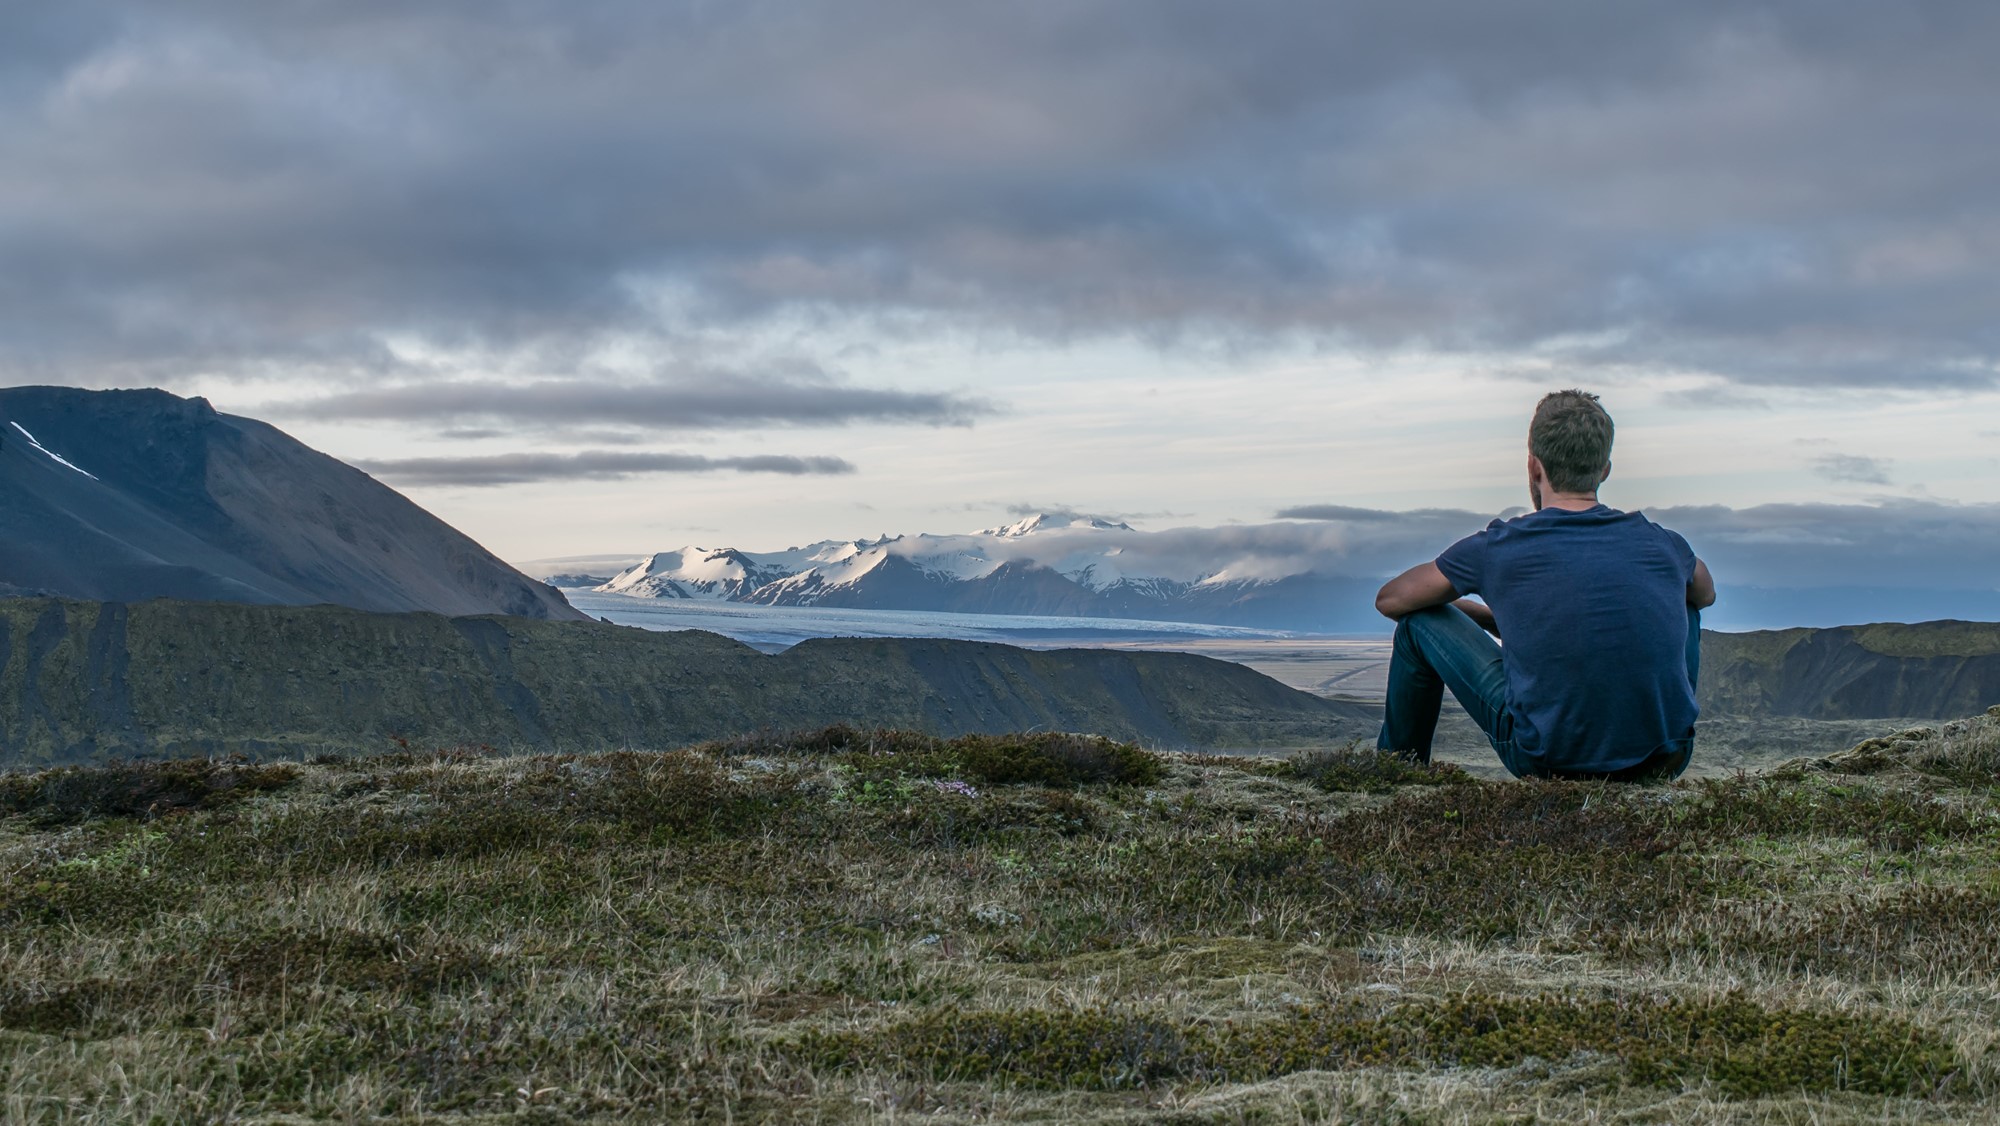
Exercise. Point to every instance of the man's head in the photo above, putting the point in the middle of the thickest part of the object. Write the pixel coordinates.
(1571, 437)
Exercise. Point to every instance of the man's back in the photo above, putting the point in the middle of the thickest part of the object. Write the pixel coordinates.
(1593, 608)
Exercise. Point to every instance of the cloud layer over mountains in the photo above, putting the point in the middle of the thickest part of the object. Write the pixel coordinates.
(1777, 565)
(589, 465)
(1906, 544)
(1796, 192)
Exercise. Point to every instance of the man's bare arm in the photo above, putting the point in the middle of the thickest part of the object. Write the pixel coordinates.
(1701, 588)
(1480, 613)
(1415, 589)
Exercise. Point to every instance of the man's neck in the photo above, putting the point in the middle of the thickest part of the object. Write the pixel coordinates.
(1570, 502)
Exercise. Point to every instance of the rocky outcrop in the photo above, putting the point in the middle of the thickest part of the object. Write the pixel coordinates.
(1964, 750)
(82, 681)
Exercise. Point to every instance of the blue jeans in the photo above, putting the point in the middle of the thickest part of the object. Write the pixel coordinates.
(1441, 647)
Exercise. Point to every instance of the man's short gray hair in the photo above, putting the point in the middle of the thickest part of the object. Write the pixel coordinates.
(1571, 436)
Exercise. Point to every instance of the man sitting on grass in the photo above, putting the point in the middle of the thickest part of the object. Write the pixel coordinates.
(1600, 609)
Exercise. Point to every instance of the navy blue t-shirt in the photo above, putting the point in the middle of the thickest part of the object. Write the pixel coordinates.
(1592, 611)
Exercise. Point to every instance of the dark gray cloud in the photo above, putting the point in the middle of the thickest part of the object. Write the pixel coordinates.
(1798, 192)
(722, 400)
(590, 465)
(1852, 467)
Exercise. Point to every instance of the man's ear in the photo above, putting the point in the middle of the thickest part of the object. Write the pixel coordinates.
(1606, 476)
(1535, 470)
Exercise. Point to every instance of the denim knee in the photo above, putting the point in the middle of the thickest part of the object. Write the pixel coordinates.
(1406, 626)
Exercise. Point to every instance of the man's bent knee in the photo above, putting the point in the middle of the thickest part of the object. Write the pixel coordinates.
(1410, 623)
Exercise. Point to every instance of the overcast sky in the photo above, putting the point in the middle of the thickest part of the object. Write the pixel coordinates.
(627, 275)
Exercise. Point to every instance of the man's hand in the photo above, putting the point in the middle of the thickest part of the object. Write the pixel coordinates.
(1701, 588)
(1415, 589)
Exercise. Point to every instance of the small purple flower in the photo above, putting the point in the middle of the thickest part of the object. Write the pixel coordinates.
(960, 788)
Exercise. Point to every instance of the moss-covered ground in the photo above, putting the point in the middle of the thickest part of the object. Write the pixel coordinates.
(853, 926)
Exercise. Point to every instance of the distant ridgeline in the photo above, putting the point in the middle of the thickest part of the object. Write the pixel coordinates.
(87, 681)
(1937, 670)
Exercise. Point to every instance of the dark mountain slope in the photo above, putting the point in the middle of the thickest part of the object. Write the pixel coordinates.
(129, 495)
(84, 681)
(1937, 670)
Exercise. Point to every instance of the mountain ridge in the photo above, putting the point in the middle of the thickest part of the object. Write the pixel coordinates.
(129, 495)
(1935, 669)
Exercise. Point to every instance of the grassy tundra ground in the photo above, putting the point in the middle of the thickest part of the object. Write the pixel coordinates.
(848, 927)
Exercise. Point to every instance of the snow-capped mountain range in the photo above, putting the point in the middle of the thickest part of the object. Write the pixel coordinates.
(1048, 563)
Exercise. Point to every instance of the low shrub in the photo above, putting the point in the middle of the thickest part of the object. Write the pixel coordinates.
(1479, 860)
(1733, 809)
(1358, 769)
(272, 960)
(1967, 753)
(839, 739)
(74, 794)
(1747, 1050)
(1921, 931)
(256, 972)
(554, 802)
(1043, 758)
(1049, 759)
(51, 1012)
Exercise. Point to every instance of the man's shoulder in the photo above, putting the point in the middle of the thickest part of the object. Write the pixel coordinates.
(1552, 529)
(1654, 527)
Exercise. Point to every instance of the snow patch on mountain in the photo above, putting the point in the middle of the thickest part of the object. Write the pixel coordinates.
(700, 572)
(54, 456)
(1051, 521)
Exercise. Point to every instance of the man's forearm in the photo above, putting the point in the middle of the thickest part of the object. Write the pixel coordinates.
(1480, 613)
(1415, 589)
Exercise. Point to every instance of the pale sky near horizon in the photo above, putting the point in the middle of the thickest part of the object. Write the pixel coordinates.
(1166, 448)
(633, 275)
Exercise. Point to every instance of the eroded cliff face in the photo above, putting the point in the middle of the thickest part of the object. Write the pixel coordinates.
(1930, 669)
(85, 681)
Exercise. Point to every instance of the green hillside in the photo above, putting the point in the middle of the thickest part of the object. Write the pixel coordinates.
(89, 681)
(1928, 669)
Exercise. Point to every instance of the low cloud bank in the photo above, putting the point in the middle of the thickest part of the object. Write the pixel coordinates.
(1905, 545)
(591, 465)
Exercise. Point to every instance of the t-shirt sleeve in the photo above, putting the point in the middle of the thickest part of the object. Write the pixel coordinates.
(1682, 553)
(1464, 563)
